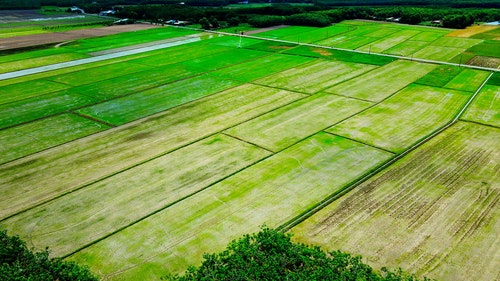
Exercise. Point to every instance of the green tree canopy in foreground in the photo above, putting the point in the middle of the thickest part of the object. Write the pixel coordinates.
(17, 262)
(271, 255)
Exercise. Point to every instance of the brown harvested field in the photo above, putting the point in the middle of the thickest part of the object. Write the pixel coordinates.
(485, 61)
(58, 37)
(434, 213)
(471, 31)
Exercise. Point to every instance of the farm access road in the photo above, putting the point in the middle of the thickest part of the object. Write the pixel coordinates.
(109, 54)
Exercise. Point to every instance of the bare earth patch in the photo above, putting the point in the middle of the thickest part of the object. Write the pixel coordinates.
(485, 61)
(58, 37)
(322, 52)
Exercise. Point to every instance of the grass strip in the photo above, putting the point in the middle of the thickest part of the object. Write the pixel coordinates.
(31, 109)
(404, 118)
(23, 140)
(269, 192)
(100, 209)
(132, 107)
(118, 149)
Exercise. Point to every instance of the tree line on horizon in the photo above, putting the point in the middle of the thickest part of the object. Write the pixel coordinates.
(319, 13)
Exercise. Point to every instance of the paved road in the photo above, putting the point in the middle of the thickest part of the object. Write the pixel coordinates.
(137, 49)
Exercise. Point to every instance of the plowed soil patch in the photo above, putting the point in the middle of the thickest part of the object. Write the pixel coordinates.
(485, 61)
(58, 37)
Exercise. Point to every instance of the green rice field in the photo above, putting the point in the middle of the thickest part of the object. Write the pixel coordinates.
(137, 165)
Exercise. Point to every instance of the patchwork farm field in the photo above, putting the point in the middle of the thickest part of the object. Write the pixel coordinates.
(137, 164)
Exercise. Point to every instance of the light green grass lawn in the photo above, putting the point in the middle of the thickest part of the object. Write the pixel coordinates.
(289, 31)
(260, 67)
(36, 136)
(429, 36)
(81, 217)
(438, 53)
(404, 118)
(488, 48)
(485, 108)
(440, 76)
(270, 192)
(338, 55)
(135, 82)
(30, 109)
(20, 91)
(288, 125)
(181, 53)
(39, 61)
(132, 107)
(383, 44)
(383, 82)
(315, 76)
(406, 48)
(468, 80)
(112, 151)
(456, 42)
(96, 74)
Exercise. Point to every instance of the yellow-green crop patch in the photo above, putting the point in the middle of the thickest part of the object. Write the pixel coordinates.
(135, 82)
(434, 212)
(286, 126)
(23, 140)
(114, 150)
(381, 83)
(91, 213)
(455, 42)
(180, 53)
(260, 67)
(315, 76)
(30, 109)
(406, 48)
(132, 107)
(269, 192)
(438, 53)
(468, 80)
(286, 32)
(439, 76)
(404, 118)
(20, 91)
(485, 108)
(383, 44)
(428, 36)
(339, 55)
(96, 74)
(220, 60)
(40, 61)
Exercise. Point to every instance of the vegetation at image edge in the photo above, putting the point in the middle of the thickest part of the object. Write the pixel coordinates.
(272, 255)
(17, 262)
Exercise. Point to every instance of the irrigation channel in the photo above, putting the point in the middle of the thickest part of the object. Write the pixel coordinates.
(141, 48)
